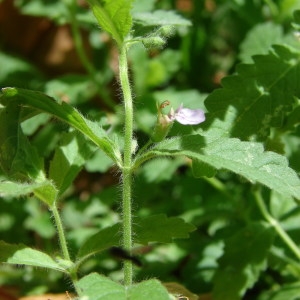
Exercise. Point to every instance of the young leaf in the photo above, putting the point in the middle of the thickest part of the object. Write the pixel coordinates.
(247, 159)
(64, 112)
(242, 262)
(44, 190)
(258, 96)
(68, 159)
(23, 255)
(113, 16)
(98, 287)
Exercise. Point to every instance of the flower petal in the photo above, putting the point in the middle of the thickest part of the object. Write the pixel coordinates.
(188, 116)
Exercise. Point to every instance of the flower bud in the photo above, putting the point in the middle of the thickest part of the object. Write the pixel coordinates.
(153, 42)
(163, 124)
(166, 30)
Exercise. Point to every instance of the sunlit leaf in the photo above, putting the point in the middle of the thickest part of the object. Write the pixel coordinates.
(259, 95)
(98, 287)
(26, 98)
(244, 158)
(113, 17)
(23, 255)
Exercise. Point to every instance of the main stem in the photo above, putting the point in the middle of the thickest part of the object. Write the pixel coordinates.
(127, 163)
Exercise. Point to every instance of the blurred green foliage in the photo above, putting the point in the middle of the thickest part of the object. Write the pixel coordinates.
(223, 34)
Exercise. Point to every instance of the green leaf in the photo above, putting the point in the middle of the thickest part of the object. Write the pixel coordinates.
(114, 16)
(14, 70)
(69, 159)
(23, 255)
(98, 287)
(259, 40)
(18, 158)
(149, 289)
(243, 260)
(104, 239)
(54, 10)
(64, 112)
(247, 159)
(17, 189)
(160, 18)
(161, 229)
(74, 89)
(98, 163)
(44, 190)
(161, 169)
(258, 97)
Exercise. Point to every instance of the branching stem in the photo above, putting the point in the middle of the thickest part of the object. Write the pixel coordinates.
(273, 222)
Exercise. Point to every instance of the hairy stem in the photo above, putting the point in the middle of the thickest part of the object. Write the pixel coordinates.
(273, 222)
(61, 234)
(127, 164)
(63, 244)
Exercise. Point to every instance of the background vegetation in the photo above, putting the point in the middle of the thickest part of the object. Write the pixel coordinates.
(40, 50)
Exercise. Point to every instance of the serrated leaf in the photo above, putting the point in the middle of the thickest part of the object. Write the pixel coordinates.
(259, 40)
(161, 229)
(98, 287)
(113, 16)
(69, 159)
(149, 289)
(247, 159)
(160, 18)
(23, 255)
(157, 228)
(64, 112)
(243, 260)
(258, 96)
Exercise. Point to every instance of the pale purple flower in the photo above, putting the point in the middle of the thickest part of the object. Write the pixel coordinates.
(187, 116)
